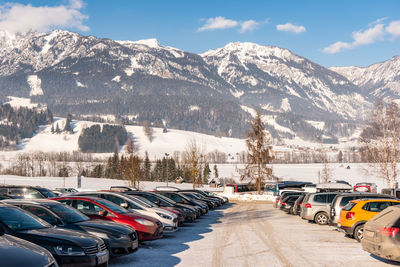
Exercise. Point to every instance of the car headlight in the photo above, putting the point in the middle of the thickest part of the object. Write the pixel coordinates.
(69, 250)
(144, 222)
(164, 216)
(98, 234)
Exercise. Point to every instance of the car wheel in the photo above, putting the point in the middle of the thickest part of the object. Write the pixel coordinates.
(321, 218)
(291, 211)
(358, 232)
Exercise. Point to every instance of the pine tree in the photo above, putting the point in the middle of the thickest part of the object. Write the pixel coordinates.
(206, 173)
(147, 167)
(52, 128)
(57, 128)
(68, 127)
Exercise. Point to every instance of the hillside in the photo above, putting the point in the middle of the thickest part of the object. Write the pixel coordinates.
(138, 81)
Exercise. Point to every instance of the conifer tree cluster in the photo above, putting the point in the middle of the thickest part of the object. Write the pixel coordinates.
(106, 140)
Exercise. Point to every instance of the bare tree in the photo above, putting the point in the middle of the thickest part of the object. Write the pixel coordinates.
(193, 158)
(380, 141)
(148, 131)
(259, 155)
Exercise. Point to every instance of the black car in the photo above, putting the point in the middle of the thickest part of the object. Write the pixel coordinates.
(119, 239)
(195, 196)
(182, 199)
(188, 211)
(298, 204)
(288, 202)
(29, 192)
(68, 247)
(16, 252)
(216, 202)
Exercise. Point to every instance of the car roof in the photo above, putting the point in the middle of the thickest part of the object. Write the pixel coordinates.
(77, 197)
(28, 201)
(366, 200)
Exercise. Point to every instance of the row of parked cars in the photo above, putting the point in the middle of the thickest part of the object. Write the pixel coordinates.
(39, 227)
(371, 218)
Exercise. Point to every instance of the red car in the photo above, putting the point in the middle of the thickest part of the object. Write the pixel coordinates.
(146, 227)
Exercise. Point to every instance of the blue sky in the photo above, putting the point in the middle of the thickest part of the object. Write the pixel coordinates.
(330, 33)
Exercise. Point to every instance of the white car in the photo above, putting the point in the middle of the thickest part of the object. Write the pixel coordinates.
(134, 204)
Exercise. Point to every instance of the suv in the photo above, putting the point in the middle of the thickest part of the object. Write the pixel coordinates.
(277, 203)
(357, 212)
(316, 207)
(341, 200)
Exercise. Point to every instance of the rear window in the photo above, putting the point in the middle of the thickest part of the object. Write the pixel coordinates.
(345, 200)
(349, 206)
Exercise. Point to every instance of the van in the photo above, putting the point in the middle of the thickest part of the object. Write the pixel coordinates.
(342, 199)
(365, 187)
(395, 192)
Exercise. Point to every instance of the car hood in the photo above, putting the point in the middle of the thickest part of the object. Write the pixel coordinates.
(105, 226)
(141, 216)
(18, 252)
(75, 237)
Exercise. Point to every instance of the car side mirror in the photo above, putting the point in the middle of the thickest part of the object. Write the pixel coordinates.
(157, 202)
(103, 213)
(124, 205)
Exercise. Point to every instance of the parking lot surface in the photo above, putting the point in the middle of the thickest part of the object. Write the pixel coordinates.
(252, 234)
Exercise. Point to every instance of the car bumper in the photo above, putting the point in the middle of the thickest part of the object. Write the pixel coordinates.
(170, 229)
(123, 248)
(348, 230)
(145, 236)
(387, 250)
(82, 261)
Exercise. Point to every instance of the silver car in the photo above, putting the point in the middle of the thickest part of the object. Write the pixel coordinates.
(316, 207)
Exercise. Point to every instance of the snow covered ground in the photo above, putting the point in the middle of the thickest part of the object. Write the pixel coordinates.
(251, 234)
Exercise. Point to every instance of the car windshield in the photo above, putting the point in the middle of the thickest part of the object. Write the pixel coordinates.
(18, 220)
(164, 198)
(111, 206)
(145, 202)
(349, 206)
(67, 213)
(46, 192)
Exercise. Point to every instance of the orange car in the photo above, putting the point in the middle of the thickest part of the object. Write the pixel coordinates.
(356, 213)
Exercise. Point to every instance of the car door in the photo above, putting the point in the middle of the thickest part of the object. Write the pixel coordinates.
(374, 208)
(91, 209)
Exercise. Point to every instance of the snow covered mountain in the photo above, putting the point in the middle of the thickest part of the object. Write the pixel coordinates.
(138, 81)
(380, 80)
(278, 80)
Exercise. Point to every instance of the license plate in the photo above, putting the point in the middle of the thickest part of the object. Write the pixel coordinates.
(368, 234)
(102, 258)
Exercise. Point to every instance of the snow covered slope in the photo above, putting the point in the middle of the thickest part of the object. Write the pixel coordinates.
(280, 81)
(380, 80)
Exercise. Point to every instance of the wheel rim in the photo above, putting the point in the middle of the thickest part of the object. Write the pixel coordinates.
(360, 233)
(322, 219)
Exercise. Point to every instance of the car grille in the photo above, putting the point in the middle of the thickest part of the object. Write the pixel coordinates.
(94, 249)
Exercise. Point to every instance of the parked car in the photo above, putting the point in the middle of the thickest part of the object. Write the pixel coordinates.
(189, 212)
(277, 203)
(298, 204)
(64, 190)
(194, 196)
(205, 195)
(356, 213)
(182, 199)
(342, 199)
(316, 207)
(381, 235)
(334, 187)
(394, 192)
(123, 188)
(29, 192)
(146, 227)
(212, 194)
(119, 239)
(365, 187)
(16, 252)
(288, 202)
(168, 219)
(68, 247)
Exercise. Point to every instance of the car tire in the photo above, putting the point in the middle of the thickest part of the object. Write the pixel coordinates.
(358, 232)
(321, 218)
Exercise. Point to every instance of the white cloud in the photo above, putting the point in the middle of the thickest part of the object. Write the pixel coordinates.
(248, 25)
(394, 28)
(218, 23)
(16, 17)
(289, 27)
(368, 36)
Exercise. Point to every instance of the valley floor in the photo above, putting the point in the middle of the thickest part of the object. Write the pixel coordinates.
(252, 234)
